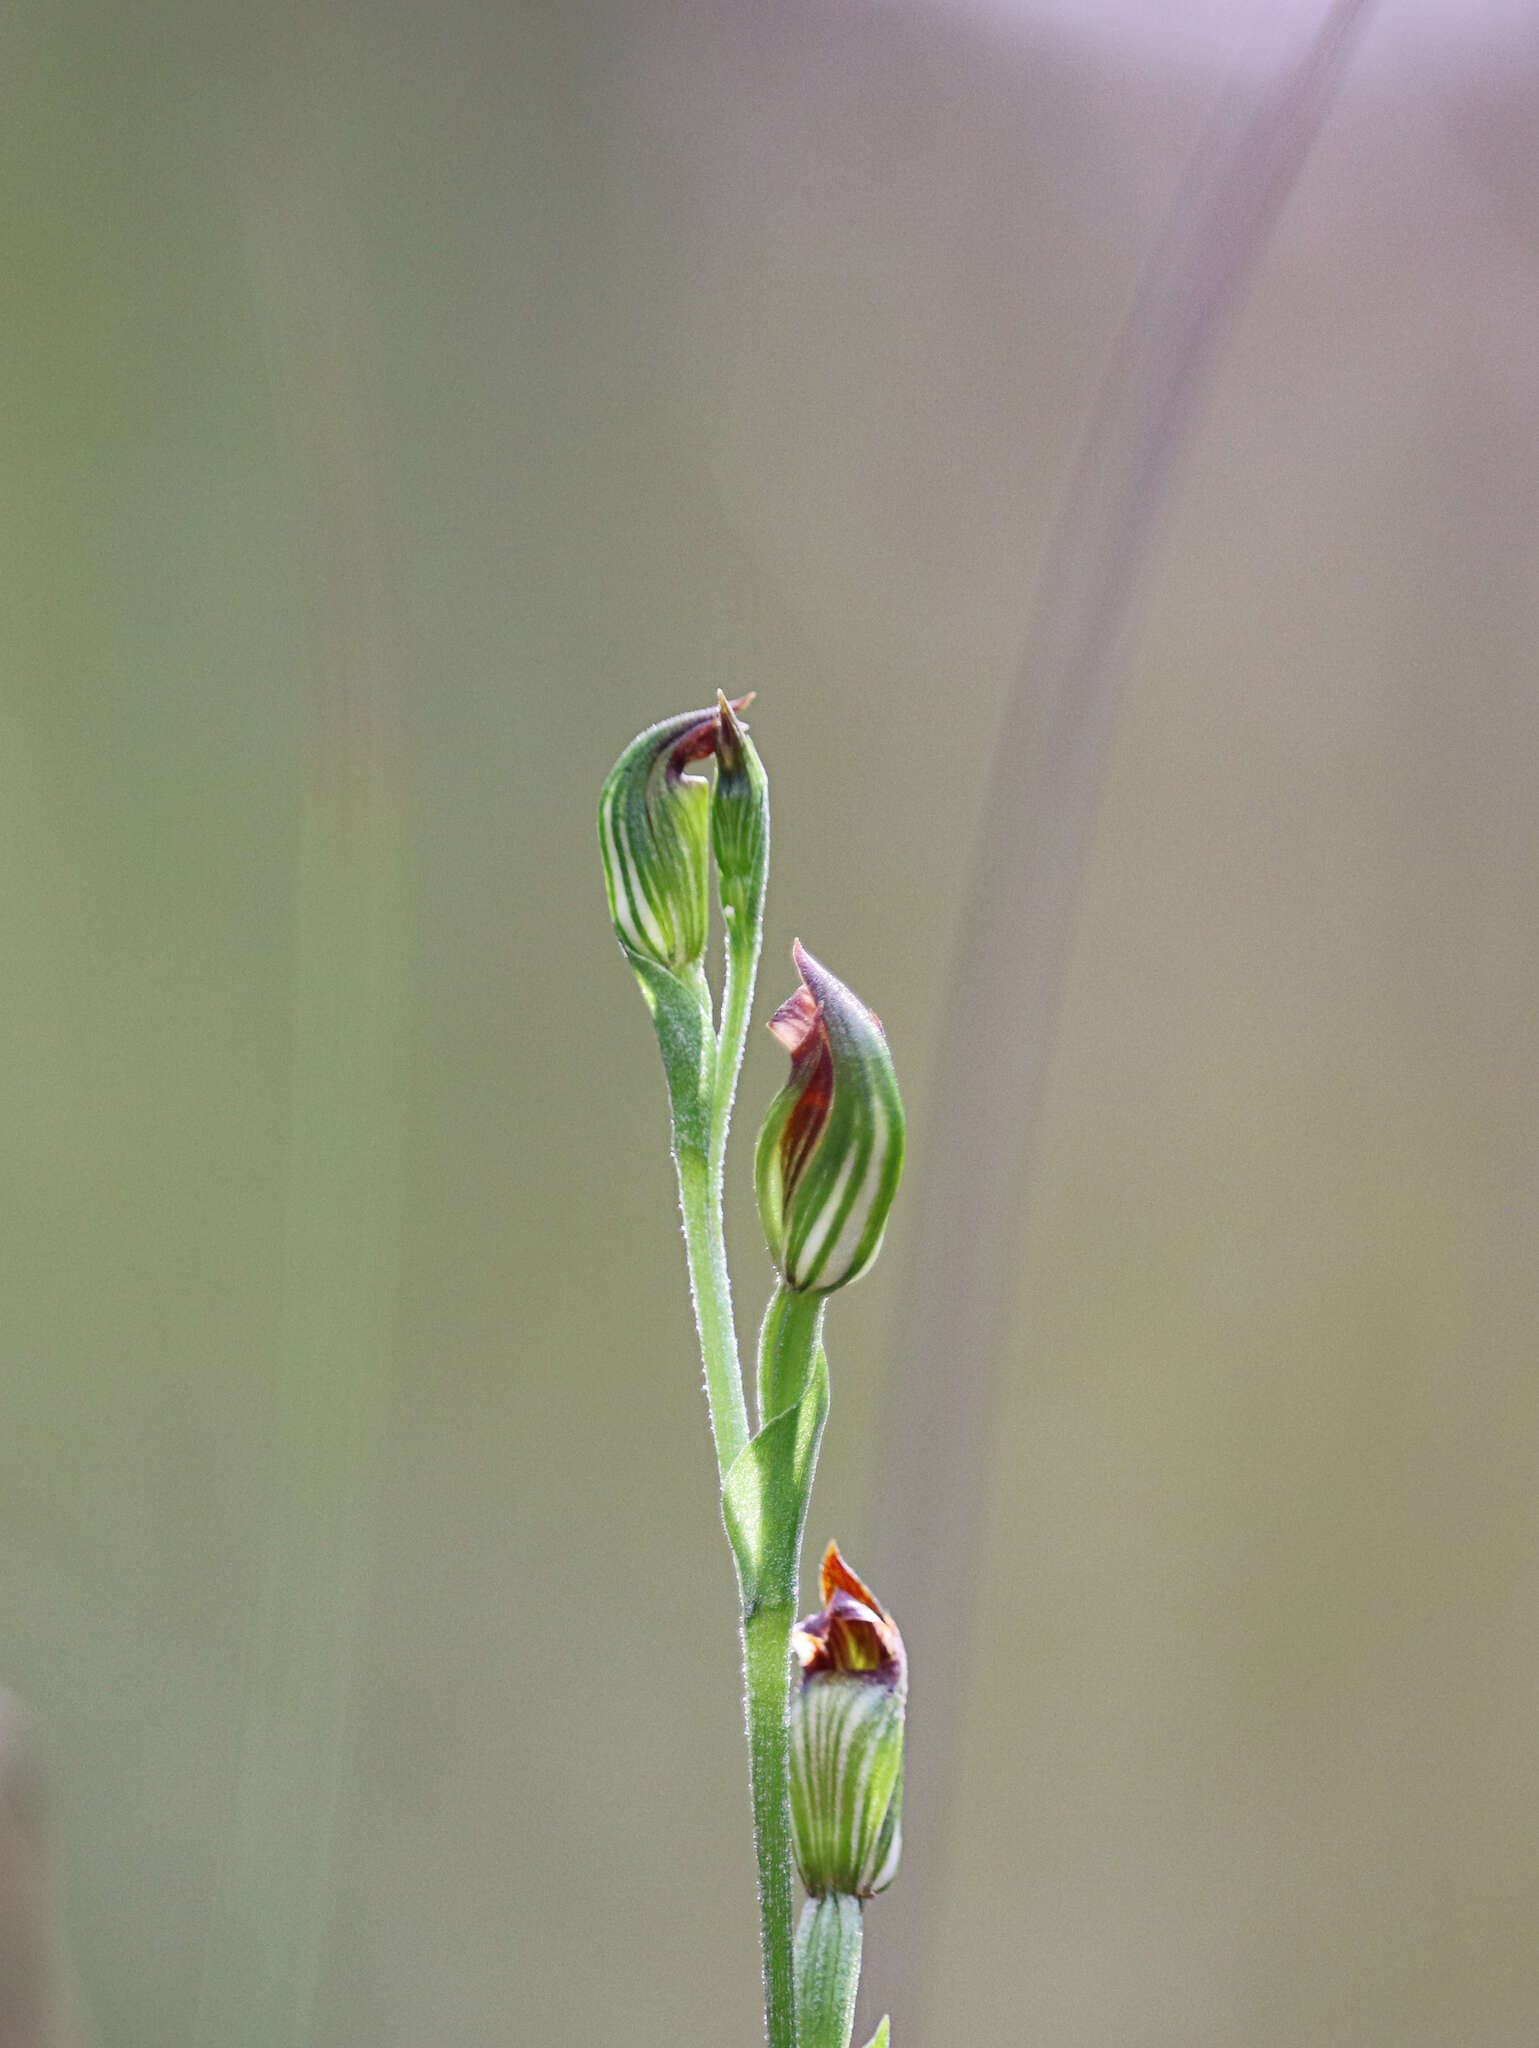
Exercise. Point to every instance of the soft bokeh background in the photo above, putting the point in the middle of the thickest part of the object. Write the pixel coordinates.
(404, 404)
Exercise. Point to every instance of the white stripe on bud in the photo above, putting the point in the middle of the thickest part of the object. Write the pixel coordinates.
(847, 1740)
(831, 1150)
(654, 835)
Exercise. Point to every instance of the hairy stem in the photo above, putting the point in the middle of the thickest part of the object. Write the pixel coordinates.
(767, 1670)
(770, 1611)
(705, 1245)
(703, 1075)
(700, 1199)
(788, 1345)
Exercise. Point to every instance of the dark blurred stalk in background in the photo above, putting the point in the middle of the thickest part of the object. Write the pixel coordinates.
(1007, 983)
(351, 1002)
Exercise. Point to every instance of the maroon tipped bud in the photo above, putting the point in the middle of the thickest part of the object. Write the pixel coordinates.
(830, 1151)
(847, 1739)
(853, 1635)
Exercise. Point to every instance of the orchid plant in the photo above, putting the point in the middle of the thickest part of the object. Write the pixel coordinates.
(825, 1765)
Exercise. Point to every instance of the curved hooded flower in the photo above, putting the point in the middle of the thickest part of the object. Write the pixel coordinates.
(847, 1739)
(830, 1154)
(654, 832)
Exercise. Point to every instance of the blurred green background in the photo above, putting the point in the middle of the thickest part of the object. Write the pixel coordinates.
(405, 404)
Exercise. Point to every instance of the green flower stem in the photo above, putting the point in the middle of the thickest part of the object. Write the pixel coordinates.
(705, 1246)
(767, 1669)
(793, 1328)
(789, 1343)
(828, 1942)
(700, 1198)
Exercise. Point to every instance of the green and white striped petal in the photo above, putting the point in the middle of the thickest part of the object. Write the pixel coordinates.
(847, 1740)
(830, 1154)
(654, 833)
(846, 1779)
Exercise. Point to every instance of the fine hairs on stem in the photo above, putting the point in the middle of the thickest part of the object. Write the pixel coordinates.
(825, 1758)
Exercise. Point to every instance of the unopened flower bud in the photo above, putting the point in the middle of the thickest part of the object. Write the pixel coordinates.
(831, 1151)
(654, 830)
(739, 812)
(847, 1739)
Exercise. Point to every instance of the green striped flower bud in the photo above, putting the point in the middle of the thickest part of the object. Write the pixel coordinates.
(739, 812)
(654, 831)
(847, 1740)
(831, 1151)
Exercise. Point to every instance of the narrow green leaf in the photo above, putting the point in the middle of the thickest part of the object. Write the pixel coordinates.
(764, 1495)
(879, 2038)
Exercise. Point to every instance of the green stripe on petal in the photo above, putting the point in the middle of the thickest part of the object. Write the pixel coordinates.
(847, 1740)
(654, 835)
(830, 1154)
(846, 1773)
(739, 815)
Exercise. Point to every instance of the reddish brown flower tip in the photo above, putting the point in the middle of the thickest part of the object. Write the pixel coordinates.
(796, 1020)
(836, 1577)
(799, 1026)
(853, 1636)
(846, 1725)
(698, 744)
(718, 733)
